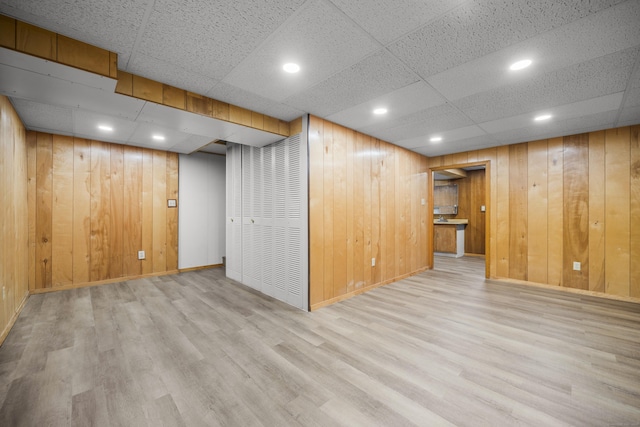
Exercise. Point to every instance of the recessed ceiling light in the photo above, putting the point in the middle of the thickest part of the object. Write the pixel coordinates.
(158, 137)
(105, 128)
(543, 117)
(291, 67)
(380, 111)
(520, 65)
(436, 139)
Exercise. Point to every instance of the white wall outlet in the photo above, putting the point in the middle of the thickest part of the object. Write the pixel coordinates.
(141, 255)
(373, 262)
(4, 293)
(172, 203)
(423, 202)
(483, 208)
(576, 266)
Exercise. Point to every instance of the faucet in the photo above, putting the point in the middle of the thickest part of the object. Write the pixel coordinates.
(442, 219)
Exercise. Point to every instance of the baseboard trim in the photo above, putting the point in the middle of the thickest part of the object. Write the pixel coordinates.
(202, 267)
(13, 319)
(100, 282)
(565, 289)
(363, 290)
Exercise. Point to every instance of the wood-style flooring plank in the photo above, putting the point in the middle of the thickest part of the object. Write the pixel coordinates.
(445, 347)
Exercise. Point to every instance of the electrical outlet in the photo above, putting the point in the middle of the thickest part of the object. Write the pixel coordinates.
(576, 266)
(4, 293)
(373, 262)
(483, 208)
(423, 202)
(141, 255)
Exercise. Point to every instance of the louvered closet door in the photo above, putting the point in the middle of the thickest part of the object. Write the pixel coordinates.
(234, 212)
(268, 254)
(252, 234)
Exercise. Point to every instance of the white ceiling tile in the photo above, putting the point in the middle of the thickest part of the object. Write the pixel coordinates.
(478, 28)
(170, 73)
(319, 38)
(44, 116)
(240, 97)
(401, 102)
(588, 107)
(601, 76)
(191, 143)
(212, 37)
(426, 122)
(613, 30)
(85, 123)
(388, 20)
(215, 149)
(629, 116)
(376, 75)
(448, 137)
(459, 146)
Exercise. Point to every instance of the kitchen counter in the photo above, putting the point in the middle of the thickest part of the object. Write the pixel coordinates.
(449, 237)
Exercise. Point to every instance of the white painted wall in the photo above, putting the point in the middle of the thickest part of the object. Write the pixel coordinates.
(201, 219)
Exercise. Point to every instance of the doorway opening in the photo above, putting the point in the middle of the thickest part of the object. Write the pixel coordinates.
(459, 195)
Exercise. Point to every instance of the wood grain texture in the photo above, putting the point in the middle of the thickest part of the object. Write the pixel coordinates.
(100, 211)
(16, 175)
(576, 211)
(7, 32)
(596, 211)
(364, 203)
(159, 211)
(444, 238)
(62, 211)
(503, 230)
(81, 210)
(125, 83)
(174, 97)
(537, 206)
(617, 215)
(84, 56)
(147, 89)
(36, 41)
(518, 245)
(396, 356)
(634, 212)
(92, 202)
(555, 213)
(44, 199)
(172, 213)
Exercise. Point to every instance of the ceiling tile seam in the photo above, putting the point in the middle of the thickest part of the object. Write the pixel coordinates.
(140, 34)
(354, 23)
(635, 69)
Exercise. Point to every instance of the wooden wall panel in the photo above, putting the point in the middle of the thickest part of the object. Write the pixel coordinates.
(634, 212)
(537, 211)
(81, 210)
(36, 41)
(364, 202)
(14, 215)
(576, 211)
(62, 211)
(89, 210)
(44, 169)
(84, 56)
(596, 211)
(587, 213)
(555, 212)
(617, 216)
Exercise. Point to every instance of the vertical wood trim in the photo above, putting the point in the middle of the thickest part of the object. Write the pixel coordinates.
(147, 210)
(62, 211)
(537, 211)
(32, 142)
(502, 212)
(131, 266)
(159, 211)
(172, 213)
(617, 216)
(81, 210)
(596, 211)
(576, 211)
(518, 249)
(339, 191)
(44, 169)
(555, 211)
(116, 209)
(634, 212)
(100, 210)
(366, 170)
(350, 194)
(316, 211)
(375, 210)
(359, 180)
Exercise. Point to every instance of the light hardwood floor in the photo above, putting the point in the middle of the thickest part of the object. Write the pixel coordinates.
(444, 347)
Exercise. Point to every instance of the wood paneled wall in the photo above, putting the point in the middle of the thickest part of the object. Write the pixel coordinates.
(93, 205)
(471, 196)
(564, 200)
(364, 202)
(13, 217)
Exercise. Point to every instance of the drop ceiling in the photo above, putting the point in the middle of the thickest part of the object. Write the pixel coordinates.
(439, 67)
